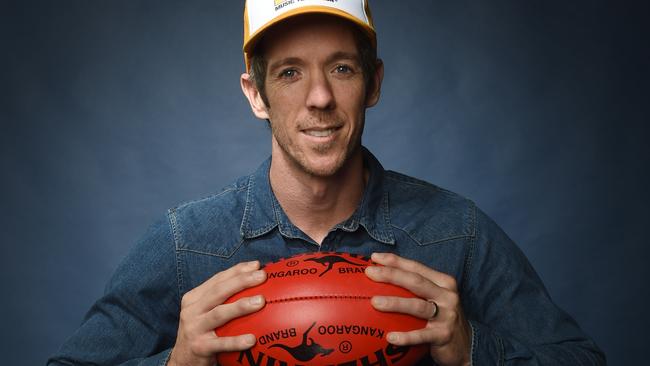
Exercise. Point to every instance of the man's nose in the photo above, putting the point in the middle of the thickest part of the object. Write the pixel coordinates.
(320, 94)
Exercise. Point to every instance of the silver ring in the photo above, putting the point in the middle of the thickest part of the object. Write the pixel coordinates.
(435, 308)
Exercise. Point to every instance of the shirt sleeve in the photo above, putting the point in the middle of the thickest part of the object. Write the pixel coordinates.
(136, 320)
(513, 319)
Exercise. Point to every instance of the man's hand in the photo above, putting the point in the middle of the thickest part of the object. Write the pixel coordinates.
(202, 310)
(447, 331)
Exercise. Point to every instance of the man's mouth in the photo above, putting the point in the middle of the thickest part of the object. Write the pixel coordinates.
(320, 133)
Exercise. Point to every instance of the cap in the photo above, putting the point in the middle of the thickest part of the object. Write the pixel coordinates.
(259, 15)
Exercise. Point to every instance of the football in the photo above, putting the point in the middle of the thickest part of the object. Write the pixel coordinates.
(318, 312)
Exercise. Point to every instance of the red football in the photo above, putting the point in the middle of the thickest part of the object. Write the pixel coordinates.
(318, 312)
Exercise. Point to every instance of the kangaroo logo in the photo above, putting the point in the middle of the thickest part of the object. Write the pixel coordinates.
(329, 261)
(306, 350)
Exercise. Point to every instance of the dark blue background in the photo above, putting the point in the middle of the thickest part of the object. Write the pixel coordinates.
(113, 111)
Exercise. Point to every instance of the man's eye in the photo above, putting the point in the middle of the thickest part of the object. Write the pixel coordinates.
(344, 69)
(288, 73)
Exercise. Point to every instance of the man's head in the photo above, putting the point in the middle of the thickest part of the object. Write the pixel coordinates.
(312, 81)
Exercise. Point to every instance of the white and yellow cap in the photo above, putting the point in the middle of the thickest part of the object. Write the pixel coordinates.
(259, 15)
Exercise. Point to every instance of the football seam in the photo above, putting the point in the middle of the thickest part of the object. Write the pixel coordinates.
(318, 297)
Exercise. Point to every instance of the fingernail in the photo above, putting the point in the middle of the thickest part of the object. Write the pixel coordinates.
(378, 255)
(249, 339)
(253, 264)
(372, 270)
(256, 300)
(378, 301)
(258, 275)
(392, 337)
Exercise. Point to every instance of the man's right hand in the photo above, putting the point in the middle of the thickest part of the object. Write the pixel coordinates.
(203, 310)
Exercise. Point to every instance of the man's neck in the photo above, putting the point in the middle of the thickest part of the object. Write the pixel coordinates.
(316, 204)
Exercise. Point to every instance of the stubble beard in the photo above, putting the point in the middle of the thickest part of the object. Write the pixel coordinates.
(298, 159)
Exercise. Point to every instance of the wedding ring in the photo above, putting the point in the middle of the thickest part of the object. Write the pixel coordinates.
(435, 309)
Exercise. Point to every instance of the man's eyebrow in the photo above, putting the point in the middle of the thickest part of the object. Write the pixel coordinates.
(341, 55)
(285, 61)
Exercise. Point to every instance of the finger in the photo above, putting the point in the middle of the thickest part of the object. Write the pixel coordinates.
(233, 271)
(229, 344)
(416, 307)
(222, 314)
(414, 282)
(393, 260)
(436, 336)
(208, 286)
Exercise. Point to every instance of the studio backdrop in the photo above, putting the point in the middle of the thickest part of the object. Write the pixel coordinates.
(113, 111)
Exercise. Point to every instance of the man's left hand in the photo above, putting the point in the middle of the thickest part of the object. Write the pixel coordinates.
(447, 331)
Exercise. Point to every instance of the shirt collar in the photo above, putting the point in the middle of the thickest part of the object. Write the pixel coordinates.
(263, 212)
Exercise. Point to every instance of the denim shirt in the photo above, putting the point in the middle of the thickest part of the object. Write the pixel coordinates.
(512, 318)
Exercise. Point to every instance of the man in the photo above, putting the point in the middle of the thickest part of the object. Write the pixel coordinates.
(312, 72)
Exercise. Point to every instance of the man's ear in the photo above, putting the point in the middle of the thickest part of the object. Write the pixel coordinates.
(372, 97)
(249, 89)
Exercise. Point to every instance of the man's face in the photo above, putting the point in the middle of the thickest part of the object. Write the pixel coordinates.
(316, 93)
